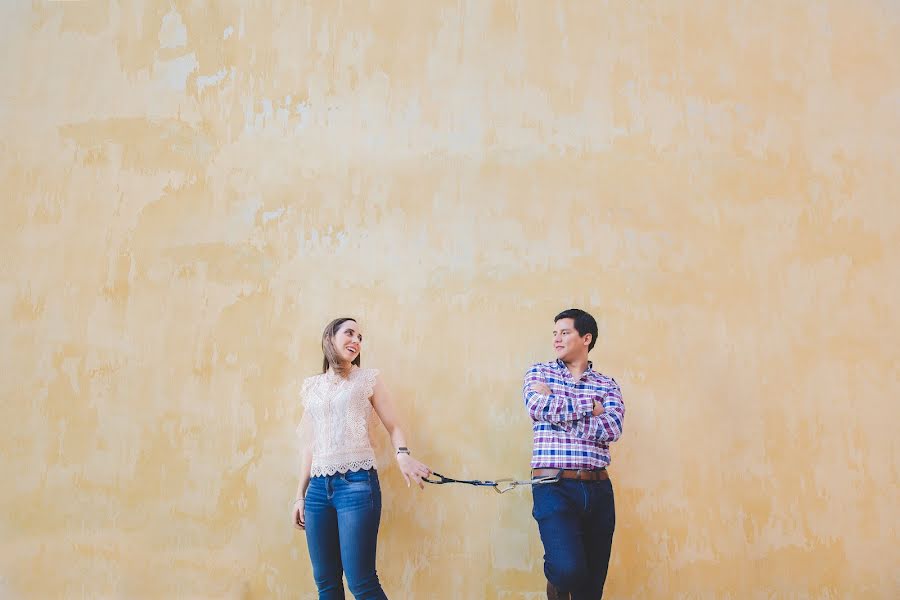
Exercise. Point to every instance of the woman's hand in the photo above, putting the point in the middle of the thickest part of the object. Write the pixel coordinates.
(412, 469)
(297, 515)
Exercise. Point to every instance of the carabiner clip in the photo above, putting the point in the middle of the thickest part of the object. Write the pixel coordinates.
(501, 486)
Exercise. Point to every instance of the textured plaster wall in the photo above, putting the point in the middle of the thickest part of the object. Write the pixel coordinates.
(190, 190)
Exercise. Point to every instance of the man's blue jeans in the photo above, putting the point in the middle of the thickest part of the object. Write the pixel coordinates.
(342, 515)
(576, 520)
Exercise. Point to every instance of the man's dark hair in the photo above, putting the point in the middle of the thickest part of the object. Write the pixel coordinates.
(584, 323)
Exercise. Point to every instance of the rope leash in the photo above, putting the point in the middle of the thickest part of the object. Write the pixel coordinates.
(501, 486)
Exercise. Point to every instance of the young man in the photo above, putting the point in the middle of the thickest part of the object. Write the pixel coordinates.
(576, 412)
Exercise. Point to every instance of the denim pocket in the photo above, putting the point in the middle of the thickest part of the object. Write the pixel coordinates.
(548, 500)
(357, 477)
(354, 490)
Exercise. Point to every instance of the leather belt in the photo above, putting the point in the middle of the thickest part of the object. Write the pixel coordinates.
(579, 474)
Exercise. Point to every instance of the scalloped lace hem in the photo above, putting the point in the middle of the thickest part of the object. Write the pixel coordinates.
(354, 465)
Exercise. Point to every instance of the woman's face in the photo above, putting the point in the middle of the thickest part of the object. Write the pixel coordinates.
(348, 341)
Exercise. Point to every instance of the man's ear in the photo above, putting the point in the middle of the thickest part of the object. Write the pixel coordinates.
(588, 338)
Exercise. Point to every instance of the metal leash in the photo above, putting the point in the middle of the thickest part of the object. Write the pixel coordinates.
(501, 486)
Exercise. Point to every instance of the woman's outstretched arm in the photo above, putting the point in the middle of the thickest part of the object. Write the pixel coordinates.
(412, 469)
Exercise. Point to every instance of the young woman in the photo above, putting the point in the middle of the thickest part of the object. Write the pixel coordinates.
(338, 496)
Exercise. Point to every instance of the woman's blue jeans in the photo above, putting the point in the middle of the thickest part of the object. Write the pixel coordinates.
(342, 514)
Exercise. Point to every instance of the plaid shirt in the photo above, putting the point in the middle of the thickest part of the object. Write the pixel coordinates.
(566, 434)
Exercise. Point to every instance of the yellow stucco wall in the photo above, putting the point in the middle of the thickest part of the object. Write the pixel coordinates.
(191, 190)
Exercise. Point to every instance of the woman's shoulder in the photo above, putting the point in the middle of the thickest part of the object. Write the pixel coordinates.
(367, 378)
(311, 381)
(367, 375)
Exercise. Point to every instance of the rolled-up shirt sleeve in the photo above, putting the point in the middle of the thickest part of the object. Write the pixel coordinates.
(607, 426)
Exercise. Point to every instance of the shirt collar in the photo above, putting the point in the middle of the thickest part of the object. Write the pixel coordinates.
(335, 379)
(562, 367)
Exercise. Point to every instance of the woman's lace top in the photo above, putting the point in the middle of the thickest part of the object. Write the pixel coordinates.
(335, 422)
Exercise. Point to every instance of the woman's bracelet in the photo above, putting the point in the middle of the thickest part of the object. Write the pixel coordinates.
(403, 450)
(296, 501)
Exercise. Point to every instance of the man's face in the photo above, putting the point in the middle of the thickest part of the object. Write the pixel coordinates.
(567, 343)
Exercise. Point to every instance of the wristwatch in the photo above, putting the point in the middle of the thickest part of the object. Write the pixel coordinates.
(403, 450)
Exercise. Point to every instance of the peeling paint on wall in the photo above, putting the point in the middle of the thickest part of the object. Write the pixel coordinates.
(191, 191)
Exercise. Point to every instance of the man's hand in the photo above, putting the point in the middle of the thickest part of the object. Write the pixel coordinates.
(599, 409)
(541, 388)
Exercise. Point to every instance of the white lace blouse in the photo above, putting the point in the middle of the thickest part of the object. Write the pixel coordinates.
(335, 422)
